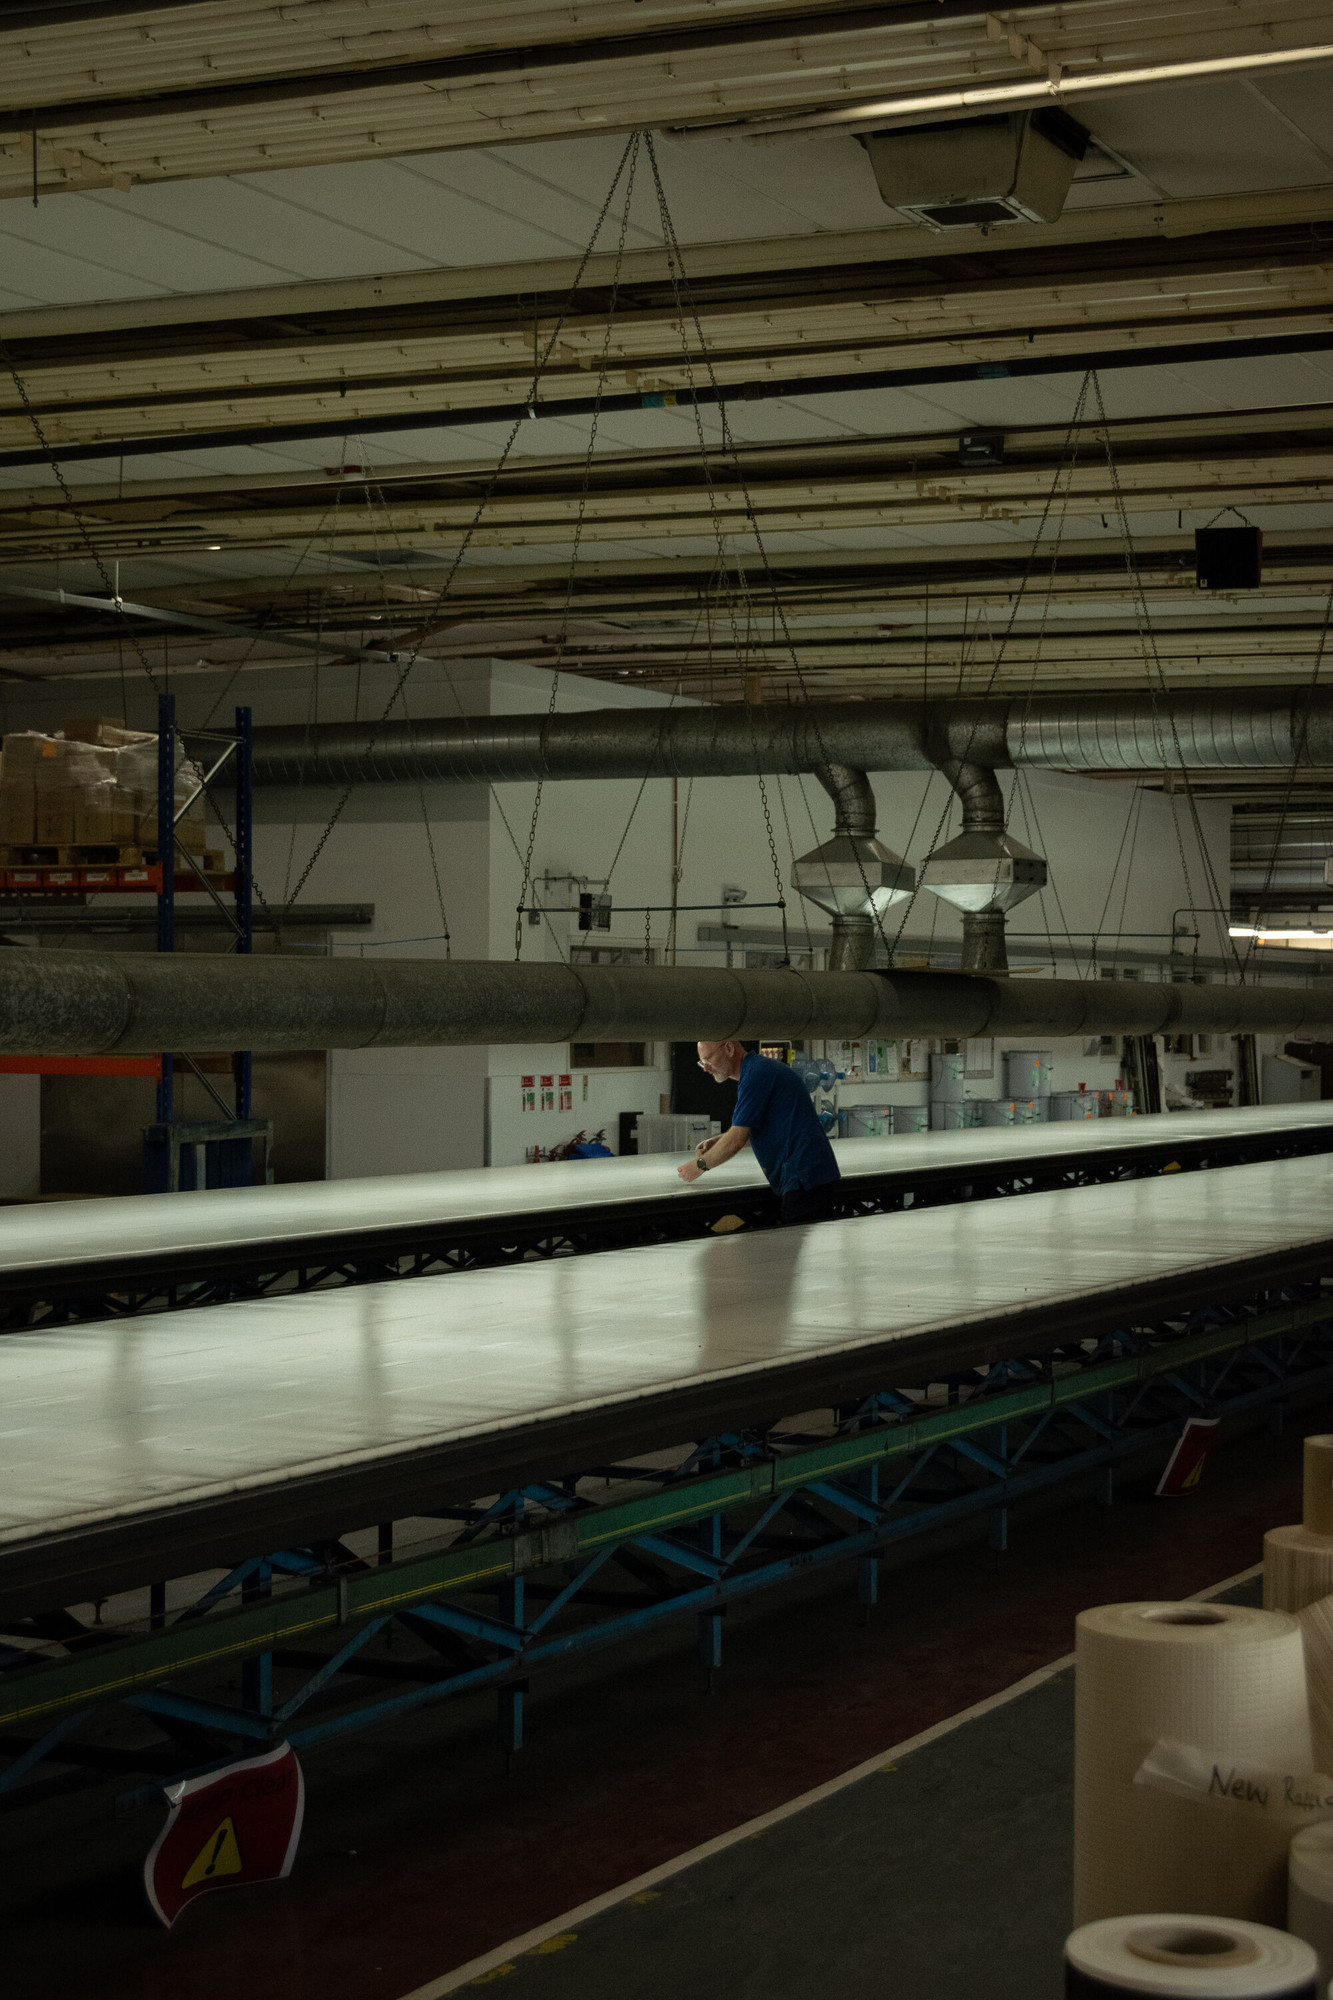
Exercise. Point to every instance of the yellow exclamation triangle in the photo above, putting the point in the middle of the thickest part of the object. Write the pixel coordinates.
(219, 1855)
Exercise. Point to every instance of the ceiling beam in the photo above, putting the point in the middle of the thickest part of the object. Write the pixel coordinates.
(95, 110)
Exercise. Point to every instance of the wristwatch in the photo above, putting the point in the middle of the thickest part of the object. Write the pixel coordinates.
(701, 1163)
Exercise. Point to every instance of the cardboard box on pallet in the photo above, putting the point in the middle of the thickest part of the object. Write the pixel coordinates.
(18, 812)
(54, 818)
(105, 816)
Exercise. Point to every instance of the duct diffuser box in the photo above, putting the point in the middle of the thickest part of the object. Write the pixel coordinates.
(978, 171)
(1228, 558)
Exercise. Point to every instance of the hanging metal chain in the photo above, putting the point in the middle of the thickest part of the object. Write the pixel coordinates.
(426, 627)
(629, 157)
(648, 937)
(777, 869)
(1157, 679)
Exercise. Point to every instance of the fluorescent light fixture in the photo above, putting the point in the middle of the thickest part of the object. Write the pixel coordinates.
(1255, 931)
(1055, 89)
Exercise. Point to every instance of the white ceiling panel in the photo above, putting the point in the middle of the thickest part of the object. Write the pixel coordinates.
(1305, 99)
(1207, 138)
(110, 245)
(259, 214)
(1275, 380)
(513, 193)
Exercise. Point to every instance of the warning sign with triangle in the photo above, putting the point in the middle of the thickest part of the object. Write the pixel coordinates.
(1184, 1468)
(234, 1826)
(219, 1855)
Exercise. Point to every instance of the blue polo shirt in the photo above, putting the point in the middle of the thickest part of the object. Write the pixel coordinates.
(787, 1137)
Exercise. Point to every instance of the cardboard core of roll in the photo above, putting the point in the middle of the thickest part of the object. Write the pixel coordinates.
(1317, 1509)
(1191, 1944)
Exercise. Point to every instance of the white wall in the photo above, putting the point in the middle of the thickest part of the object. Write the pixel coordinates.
(20, 1136)
(412, 1110)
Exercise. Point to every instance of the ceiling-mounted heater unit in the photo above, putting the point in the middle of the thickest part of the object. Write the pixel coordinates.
(978, 171)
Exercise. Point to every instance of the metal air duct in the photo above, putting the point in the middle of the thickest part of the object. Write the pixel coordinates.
(59, 1003)
(1245, 729)
(985, 872)
(853, 876)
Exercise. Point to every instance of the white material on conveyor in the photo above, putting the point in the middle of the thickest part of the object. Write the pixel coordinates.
(67, 1234)
(104, 1422)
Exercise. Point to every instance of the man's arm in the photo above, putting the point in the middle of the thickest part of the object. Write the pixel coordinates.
(715, 1151)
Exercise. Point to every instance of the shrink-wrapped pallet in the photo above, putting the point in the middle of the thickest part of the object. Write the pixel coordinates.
(1221, 1680)
(136, 772)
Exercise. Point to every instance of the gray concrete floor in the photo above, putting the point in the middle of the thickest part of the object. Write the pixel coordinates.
(945, 1877)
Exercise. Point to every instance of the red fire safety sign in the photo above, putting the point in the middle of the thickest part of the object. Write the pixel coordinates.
(226, 1829)
(1184, 1468)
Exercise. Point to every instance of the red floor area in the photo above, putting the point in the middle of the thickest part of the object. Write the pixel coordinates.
(633, 1763)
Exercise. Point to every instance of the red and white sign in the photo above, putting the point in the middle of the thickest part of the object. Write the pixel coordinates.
(225, 1830)
(1184, 1468)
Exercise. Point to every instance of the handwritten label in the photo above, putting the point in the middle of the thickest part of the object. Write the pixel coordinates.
(1298, 1796)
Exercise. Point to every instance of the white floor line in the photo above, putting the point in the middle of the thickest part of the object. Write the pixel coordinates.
(489, 1961)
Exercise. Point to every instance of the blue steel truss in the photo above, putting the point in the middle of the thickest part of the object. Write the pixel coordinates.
(330, 1641)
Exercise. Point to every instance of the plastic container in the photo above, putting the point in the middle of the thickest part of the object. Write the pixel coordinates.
(1027, 1073)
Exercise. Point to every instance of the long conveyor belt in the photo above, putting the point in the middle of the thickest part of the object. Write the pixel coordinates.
(91, 1259)
(157, 1446)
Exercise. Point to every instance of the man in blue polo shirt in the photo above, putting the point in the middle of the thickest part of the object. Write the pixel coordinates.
(775, 1116)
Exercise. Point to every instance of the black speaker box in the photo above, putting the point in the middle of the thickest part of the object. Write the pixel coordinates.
(1228, 558)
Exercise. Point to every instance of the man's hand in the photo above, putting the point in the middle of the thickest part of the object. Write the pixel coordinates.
(690, 1171)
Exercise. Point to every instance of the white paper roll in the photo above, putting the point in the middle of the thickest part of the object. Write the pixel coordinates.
(1316, 1623)
(1317, 1507)
(1298, 1567)
(1211, 1958)
(1298, 1561)
(1222, 1679)
(1310, 1892)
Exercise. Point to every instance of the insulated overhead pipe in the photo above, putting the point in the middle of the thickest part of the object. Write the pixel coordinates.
(1244, 729)
(87, 1004)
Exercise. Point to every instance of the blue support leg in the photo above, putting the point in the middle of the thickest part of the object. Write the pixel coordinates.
(867, 1567)
(242, 1062)
(1105, 1480)
(511, 1697)
(257, 1672)
(710, 1622)
(997, 1528)
(166, 859)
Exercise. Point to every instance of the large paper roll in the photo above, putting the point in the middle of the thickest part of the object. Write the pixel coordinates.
(1222, 1679)
(1298, 1561)
(1211, 1958)
(1298, 1568)
(1310, 1891)
(1316, 1623)
(1317, 1510)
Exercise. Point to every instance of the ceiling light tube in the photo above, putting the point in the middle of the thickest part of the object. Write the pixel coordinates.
(887, 111)
(1263, 934)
